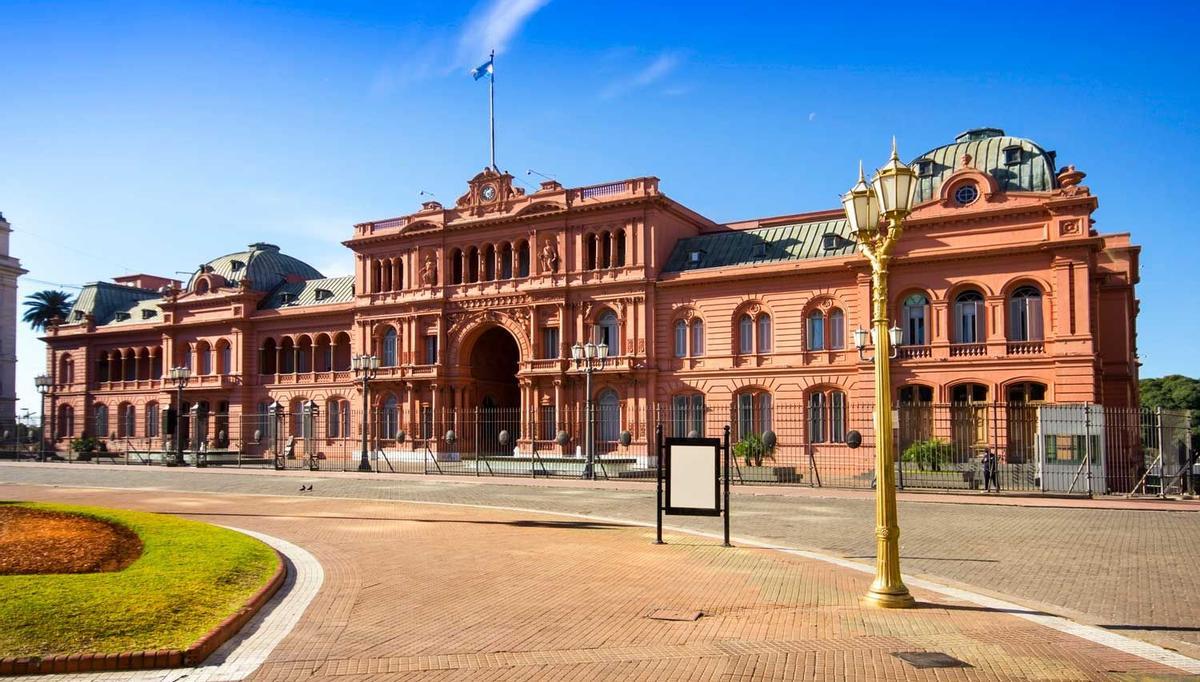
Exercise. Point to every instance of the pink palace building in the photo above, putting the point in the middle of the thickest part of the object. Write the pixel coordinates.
(1005, 291)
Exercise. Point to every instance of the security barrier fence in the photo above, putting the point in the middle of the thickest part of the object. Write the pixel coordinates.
(1047, 448)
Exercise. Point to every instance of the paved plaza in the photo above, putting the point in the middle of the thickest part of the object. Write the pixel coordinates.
(464, 592)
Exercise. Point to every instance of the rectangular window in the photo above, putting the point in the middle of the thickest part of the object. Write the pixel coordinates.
(431, 354)
(226, 360)
(680, 339)
(550, 343)
(764, 333)
(837, 417)
(697, 338)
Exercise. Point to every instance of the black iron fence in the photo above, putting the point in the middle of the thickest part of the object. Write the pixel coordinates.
(1050, 448)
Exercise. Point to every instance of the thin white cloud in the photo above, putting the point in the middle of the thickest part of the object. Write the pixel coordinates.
(661, 67)
(812, 116)
(492, 25)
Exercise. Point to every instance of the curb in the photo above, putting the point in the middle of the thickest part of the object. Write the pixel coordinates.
(159, 658)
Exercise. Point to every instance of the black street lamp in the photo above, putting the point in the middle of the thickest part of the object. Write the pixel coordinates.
(180, 377)
(365, 368)
(43, 383)
(589, 357)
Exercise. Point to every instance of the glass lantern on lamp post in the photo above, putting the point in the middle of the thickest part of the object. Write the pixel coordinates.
(365, 368)
(876, 214)
(589, 357)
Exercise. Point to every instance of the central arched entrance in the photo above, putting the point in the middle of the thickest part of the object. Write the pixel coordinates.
(495, 359)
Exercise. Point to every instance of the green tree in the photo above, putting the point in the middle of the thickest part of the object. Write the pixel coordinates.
(1173, 392)
(43, 306)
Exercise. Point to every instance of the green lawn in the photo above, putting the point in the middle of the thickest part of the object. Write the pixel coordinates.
(190, 577)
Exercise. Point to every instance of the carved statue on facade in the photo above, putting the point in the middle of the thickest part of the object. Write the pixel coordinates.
(429, 271)
(550, 257)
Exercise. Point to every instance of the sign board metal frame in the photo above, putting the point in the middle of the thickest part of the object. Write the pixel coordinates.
(721, 478)
(670, 462)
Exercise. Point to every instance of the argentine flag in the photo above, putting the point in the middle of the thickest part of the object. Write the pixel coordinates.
(484, 69)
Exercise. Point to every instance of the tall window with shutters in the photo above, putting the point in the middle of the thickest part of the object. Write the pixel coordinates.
(968, 317)
(1025, 315)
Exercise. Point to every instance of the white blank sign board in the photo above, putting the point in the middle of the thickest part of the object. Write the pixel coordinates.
(692, 482)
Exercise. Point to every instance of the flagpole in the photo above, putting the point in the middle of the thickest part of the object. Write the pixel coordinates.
(492, 105)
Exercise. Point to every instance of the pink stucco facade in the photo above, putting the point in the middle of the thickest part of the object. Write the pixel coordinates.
(484, 299)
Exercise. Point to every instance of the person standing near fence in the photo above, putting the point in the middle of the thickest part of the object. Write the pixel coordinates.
(990, 470)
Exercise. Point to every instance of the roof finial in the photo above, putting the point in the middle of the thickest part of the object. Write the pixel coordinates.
(861, 177)
(895, 154)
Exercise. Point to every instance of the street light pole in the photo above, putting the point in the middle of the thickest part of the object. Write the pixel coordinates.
(890, 197)
(43, 383)
(180, 376)
(589, 357)
(365, 367)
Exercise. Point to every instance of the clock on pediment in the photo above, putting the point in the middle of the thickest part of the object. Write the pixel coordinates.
(489, 191)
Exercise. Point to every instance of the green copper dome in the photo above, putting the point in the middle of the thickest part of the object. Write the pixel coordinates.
(263, 263)
(1017, 164)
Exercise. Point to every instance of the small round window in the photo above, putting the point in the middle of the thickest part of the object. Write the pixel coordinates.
(966, 194)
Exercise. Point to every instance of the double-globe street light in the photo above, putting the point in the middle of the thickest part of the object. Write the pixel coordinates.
(365, 368)
(179, 376)
(43, 383)
(589, 357)
(876, 214)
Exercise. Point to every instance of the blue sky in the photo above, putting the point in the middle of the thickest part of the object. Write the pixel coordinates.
(154, 136)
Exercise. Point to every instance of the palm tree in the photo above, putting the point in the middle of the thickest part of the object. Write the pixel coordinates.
(44, 306)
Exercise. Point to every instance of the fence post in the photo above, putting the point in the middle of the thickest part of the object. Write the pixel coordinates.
(1087, 444)
(1162, 459)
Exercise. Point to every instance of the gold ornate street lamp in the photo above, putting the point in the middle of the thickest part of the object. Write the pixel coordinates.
(876, 214)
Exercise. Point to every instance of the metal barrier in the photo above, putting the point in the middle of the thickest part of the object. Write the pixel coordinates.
(1072, 449)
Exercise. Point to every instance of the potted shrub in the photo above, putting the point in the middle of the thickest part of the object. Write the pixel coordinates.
(84, 446)
(751, 449)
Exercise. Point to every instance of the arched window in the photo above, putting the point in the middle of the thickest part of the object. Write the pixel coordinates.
(687, 414)
(619, 257)
(153, 425)
(590, 261)
(680, 338)
(66, 369)
(746, 334)
(608, 416)
(1025, 315)
(100, 420)
(66, 421)
(697, 338)
(1026, 392)
(489, 263)
(388, 352)
(606, 332)
(287, 357)
(913, 316)
(753, 413)
(225, 357)
(968, 317)
(126, 421)
(506, 261)
(827, 416)
(605, 250)
(267, 358)
(473, 264)
(523, 260)
(816, 330)
(204, 354)
(837, 329)
(130, 366)
(304, 354)
(337, 418)
(968, 418)
(391, 418)
(764, 333)
(456, 266)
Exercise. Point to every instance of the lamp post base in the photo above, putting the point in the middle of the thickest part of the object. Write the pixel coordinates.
(896, 598)
(365, 465)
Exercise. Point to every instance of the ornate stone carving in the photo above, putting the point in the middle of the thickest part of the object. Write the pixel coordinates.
(550, 257)
(1068, 227)
(429, 271)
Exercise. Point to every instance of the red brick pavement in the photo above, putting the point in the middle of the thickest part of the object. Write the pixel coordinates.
(441, 592)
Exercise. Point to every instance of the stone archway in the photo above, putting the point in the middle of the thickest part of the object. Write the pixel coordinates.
(495, 358)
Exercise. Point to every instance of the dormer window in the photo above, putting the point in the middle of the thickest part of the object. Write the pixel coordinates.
(236, 265)
(924, 168)
(694, 258)
(78, 315)
(830, 241)
(149, 314)
(121, 317)
(322, 294)
(759, 250)
(1012, 155)
(287, 298)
